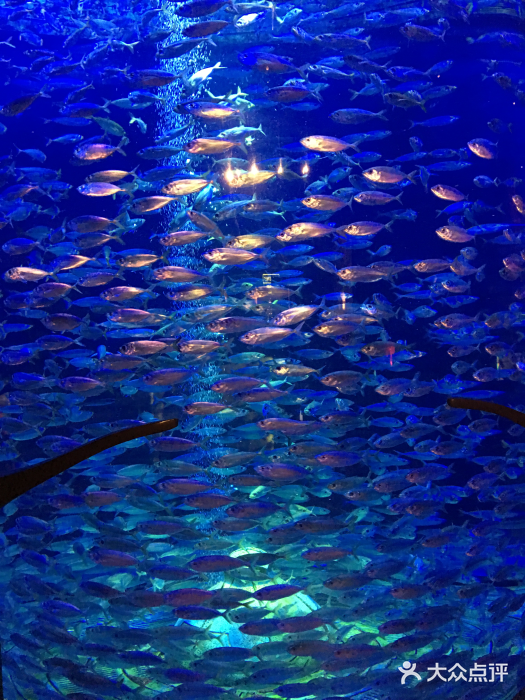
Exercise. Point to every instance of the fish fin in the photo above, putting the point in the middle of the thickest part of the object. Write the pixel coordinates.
(120, 218)
(242, 146)
(183, 75)
(301, 70)
(412, 177)
(123, 142)
(317, 95)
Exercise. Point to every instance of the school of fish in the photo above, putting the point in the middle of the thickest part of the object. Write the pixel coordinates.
(193, 227)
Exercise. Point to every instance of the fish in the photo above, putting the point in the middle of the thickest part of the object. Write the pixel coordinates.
(356, 116)
(325, 144)
(96, 151)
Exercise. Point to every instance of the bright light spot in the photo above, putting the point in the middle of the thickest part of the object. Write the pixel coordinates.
(224, 632)
(280, 169)
(229, 175)
(254, 169)
(305, 169)
(188, 160)
(246, 550)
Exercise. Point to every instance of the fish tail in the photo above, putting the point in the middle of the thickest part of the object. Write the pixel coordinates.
(119, 219)
(412, 177)
(263, 255)
(183, 75)
(316, 94)
(298, 329)
(302, 70)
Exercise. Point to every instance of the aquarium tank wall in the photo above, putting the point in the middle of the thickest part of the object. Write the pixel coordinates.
(296, 228)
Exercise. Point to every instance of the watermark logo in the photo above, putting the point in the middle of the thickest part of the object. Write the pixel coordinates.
(479, 673)
(408, 669)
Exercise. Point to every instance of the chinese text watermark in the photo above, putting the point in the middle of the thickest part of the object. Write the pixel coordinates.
(479, 673)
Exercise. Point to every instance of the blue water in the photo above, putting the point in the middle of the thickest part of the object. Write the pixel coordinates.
(365, 527)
